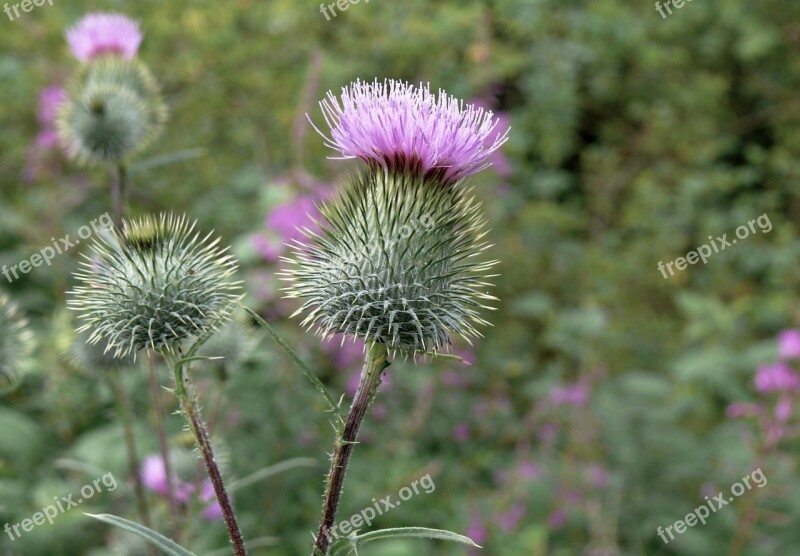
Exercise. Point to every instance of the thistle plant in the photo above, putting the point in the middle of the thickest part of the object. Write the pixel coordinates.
(156, 284)
(16, 344)
(397, 262)
(114, 108)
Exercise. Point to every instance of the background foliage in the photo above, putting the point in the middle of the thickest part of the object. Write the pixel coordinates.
(633, 139)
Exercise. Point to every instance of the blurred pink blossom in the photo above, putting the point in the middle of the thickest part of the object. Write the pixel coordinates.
(576, 394)
(154, 477)
(509, 520)
(789, 344)
(476, 530)
(285, 223)
(213, 511)
(783, 409)
(777, 377)
(345, 356)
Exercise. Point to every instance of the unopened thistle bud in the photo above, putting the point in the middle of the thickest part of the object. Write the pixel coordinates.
(16, 344)
(153, 285)
(397, 260)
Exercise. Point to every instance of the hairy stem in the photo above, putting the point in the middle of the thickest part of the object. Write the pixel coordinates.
(374, 364)
(184, 389)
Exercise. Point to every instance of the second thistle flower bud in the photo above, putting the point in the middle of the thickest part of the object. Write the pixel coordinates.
(154, 285)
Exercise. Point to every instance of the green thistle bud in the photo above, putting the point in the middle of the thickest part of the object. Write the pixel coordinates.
(105, 124)
(153, 285)
(395, 263)
(115, 110)
(16, 345)
(129, 74)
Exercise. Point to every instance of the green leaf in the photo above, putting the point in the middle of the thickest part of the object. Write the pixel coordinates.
(306, 370)
(156, 539)
(271, 470)
(355, 541)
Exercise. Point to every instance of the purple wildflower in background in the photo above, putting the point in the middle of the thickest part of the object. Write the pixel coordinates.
(344, 356)
(789, 344)
(576, 395)
(50, 100)
(212, 512)
(154, 477)
(776, 378)
(509, 520)
(476, 530)
(284, 225)
(104, 33)
(402, 127)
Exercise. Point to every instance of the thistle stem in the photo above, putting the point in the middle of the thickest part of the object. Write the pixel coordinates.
(119, 193)
(184, 389)
(123, 408)
(374, 364)
(163, 444)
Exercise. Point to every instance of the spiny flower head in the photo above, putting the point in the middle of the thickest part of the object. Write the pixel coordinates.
(153, 285)
(105, 124)
(104, 33)
(402, 127)
(114, 110)
(16, 344)
(395, 263)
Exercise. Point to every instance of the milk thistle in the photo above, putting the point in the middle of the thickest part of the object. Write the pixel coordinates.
(397, 260)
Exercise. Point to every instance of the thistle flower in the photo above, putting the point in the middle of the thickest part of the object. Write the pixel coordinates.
(16, 344)
(396, 125)
(395, 259)
(153, 285)
(104, 33)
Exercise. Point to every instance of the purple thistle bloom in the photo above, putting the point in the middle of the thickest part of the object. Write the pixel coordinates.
(776, 378)
(104, 33)
(789, 344)
(402, 127)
